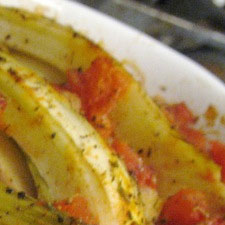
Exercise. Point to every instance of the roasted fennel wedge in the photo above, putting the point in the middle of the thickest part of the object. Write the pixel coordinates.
(68, 153)
(17, 208)
(14, 171)
(36, 35)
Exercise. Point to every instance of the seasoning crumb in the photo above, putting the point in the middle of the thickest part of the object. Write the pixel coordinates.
(84, 136)
(93, 118)
(53, 135)
(60, 219)
(163, 221)
(23, 16)
(140, 151)
(7, 37)
(80, 70)
(2, 59)
(149, 152)
(211, 115)
(163, 88)
(75, 34)
(129, 215)
(114, 164)
(18, 208)
(9, 190)
(21, 195)
(13, 73)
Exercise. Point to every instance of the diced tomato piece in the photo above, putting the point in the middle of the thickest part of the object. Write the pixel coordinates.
(209, 176)
(125, 152)
(183, 118)
(99, 87)
(144, 174)
(187, 207)
(77, 208)
(194, 137)
(217, 152)
(181, 115)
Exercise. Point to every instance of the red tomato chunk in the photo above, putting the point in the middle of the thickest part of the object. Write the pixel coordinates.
(218, 155)
(77, 208)
(144, 174)
(187, 207)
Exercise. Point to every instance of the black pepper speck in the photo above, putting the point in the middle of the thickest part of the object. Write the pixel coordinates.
(9, 190)
(2, 59)
(7, 37)
(53, 135)
(60, 219)
(21, 195)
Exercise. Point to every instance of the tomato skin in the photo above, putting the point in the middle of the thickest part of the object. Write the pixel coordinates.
(180, 114)
(99, 88)
(217, 152)
(183, 119)
(144, 174)
(77, 208)
(194, 137)
(187, 207)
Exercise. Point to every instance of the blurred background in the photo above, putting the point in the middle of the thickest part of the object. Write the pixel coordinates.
(195, 28)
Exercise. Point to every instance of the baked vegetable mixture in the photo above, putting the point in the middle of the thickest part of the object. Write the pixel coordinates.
(82, 137)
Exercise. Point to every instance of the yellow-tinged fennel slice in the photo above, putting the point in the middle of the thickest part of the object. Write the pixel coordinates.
(67, 152)
(13, 169)
(17, 208)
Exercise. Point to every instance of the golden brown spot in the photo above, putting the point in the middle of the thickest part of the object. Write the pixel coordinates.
(211, 115)
(14, 74)
(37, 120)
(222, 120)
(7, 37)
